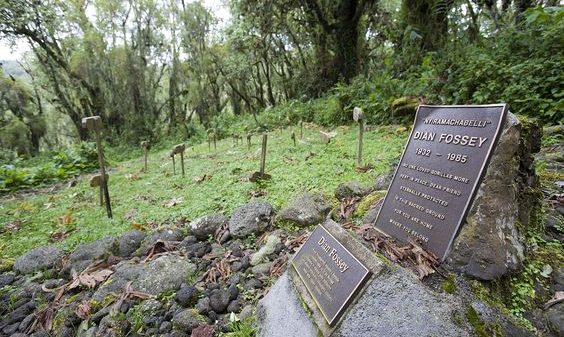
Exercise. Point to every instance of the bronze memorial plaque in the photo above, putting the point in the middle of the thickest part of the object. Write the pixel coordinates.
(439, 172)
(331, 274)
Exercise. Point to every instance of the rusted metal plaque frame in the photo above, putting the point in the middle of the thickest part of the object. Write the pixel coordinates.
(333, 304)
(432, 188)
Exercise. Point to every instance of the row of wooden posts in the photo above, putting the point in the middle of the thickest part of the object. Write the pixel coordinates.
(95, 124)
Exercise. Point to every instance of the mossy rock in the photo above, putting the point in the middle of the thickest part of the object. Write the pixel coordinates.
(367, 202)
(405, 106)
(7, 264)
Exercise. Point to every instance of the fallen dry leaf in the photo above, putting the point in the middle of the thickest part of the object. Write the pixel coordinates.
(89, 278)
(130, 214)
(60, 235)
(257, 194)
(12, 226)
(199, 179)
(132, 177)
(83, 310)
(203, 331)
(347, 208)
(66, 219)
(364, 169)
(129, 294)
(173, 202)
(137, 226)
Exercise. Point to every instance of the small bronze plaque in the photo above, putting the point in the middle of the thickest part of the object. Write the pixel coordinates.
(439, 172)
(331, 274)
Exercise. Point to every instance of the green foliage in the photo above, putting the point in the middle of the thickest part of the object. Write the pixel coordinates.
(535, 275)
(520, 65)
(63, 165)
(16, 136)
(241, 328)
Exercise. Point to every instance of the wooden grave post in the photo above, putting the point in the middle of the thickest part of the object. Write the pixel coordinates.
(358, 116)
(173, 163)
(178, 149)
(249, 141)
(301, 129)
(263, 154)
(146, 146)
(94, 123)
(293, 136)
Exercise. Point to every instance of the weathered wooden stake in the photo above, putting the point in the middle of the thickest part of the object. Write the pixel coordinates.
(95, 124)
(301, 129)
(146, 146)
(214, 142)
(249, 141)
(359, 117)
(293, 136)
(178, 149)
(209, 143)
(182, 162)
(263, 154)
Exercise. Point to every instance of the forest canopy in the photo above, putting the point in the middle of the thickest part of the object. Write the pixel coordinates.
(156, 69)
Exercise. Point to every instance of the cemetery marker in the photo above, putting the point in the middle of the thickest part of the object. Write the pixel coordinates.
(358, 116)
(439, 173)
(249, 141)
(331, 274)
(178, 149)
(263, 154)
(293, 136)
(260, 175)
(146, 146)
(95, 124)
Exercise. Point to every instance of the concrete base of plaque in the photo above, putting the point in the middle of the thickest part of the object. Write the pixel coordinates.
(392, 303)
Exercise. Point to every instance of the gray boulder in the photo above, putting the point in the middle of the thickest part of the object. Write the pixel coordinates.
(558, 280)
(251, 218)
(37, 259)
(307, 209)
(112, 326)
(165, 273)
(351, 189)
(491, 243)
(85, 254)
(162, 235)
(129, 242)
(219, 299)
(187, 320)
(555, 318)
(205, 226)
(383, 181)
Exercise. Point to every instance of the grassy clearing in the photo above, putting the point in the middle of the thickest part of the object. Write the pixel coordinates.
(140, 199)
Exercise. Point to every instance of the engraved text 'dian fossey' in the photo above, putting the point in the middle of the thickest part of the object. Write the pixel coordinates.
(441, 167)
(331, 274)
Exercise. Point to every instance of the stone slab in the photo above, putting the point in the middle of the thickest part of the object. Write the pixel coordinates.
(393, 303)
